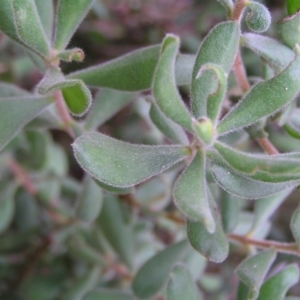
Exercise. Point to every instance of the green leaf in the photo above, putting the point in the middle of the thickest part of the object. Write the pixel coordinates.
(276, 93)
(276, 286)
(29, 28)
(259, 18)
(288, 30)
(292, 127)
(219, 47)
(230, 209)
(68, 18)
(295, 225)
(153, 274)
(164, 84)
(246, 187)
(76, 95)
(228, 5)
(169, 128)
(121, 164)
(117, 231)
(138, 65)
(214, 246)
(69, 55)
(10, 90)
(264, 208)
(20, 21)
(293, 6)
(7, 207)
(81, 286)
(181, 285)
(119, 73)
(277, 55)
(89, 201)
(106, 294)
(190, 194)
(253, 270)
(251, 163)
(16, 113)
(115, 190)
(106, 104)
(46, 13)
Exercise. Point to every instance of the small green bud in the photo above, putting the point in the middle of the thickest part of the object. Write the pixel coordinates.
(204, 130)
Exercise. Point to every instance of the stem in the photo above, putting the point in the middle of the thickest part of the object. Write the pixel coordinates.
(267, 146)
(288, 248)
(240, 72)
(238, 10)
(63, 112)
(23, 177)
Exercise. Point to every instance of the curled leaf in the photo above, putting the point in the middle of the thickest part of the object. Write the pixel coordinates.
(259, 19)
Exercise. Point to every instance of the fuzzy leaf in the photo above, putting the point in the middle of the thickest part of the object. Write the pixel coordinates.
(277, 55)
(133, 71)
(219, 47)
(106, 294)
(293, 6)
(259, 18)
(69, 55)
(295, 225)
(292, 127)
(7, 207)
(69, 17)
(154, 273)
(289, 30)
(164, 85)
(251, 163)
(106, 104)
(215, 246)
(46, 13)
(89, 201)
(264, 99)
(265, 207)
(227, 4)
(116, 230)
(16, 113)
(190, 193)
(29, 28)
(82, 285)
(246, 187)
(76, 95)
(121, 164)
(253, 270)
(115, 190)
(169, 128)
(10, 90)
(276, 286)
(181, 285)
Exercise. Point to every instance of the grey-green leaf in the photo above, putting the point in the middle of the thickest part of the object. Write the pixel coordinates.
(29, 28)
(219, 47)
(253, 270)
(116, 230)
(7, 207)
(16, 113)
(46, 13)
(76, 95)
(168, 127)
(164, 84)
(181, 285)
(214, 246)
(289, 29)
(259, 18)
(106, 294)
(277, 55)
(264, 99)
(122, 164)
(275, 287)
(190, 193)
(153, 274)
(69, 17)
(246, 187)
(10, 90)
(295, 225)
(89, 201)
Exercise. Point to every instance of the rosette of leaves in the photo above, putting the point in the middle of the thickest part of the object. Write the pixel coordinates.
(247, 175)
